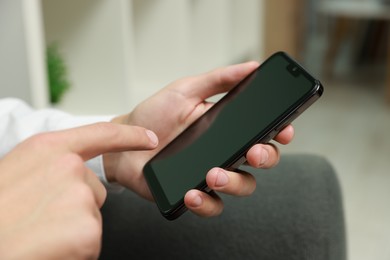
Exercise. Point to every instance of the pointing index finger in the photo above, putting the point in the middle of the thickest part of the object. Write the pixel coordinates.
(92, 140)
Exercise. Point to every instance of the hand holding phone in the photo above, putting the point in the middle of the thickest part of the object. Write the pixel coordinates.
(254, 111)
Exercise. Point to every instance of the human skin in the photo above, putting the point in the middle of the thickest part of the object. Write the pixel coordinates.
(168, 113)
(49, 200)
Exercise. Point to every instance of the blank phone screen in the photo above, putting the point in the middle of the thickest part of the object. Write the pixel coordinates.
(225, 132)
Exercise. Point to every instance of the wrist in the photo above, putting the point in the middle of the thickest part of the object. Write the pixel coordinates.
(122, 119)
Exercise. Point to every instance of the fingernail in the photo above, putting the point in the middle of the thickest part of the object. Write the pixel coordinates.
(152, 136)
(264, 157)
(222, 179)
(196, 201)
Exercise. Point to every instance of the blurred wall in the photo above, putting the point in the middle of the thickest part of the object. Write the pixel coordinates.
(14, 76)
(284, 26)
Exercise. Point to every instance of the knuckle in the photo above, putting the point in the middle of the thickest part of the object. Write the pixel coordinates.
(71, 165)
(273, 150)
(248, 183)
(89, 241)
(106, 128)
(83, 193)
(85, 224)
(244, 185)
(115, 134)
(93, 232)
(73, 162)
(213, 205)
(43, 140)
(216, 209)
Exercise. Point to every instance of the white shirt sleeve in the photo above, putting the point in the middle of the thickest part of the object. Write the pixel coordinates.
(18, 121)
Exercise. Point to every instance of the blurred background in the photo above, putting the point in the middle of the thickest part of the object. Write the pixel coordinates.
(104, 57)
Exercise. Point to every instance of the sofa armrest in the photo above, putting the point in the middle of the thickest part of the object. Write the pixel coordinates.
(295, 213)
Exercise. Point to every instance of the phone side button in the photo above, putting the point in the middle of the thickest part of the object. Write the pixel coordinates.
(237, 164)
(272, 134)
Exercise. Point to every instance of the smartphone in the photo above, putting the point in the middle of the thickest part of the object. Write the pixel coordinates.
(254, 111)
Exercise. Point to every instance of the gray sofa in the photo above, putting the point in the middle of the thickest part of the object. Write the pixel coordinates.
(295, 213)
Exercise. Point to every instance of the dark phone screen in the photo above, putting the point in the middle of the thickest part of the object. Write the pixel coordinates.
(229, 128)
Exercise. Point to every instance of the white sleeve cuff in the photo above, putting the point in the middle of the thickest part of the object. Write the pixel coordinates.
(96, 165)
(19, 121)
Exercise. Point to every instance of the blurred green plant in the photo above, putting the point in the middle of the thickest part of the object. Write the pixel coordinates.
(57, 74)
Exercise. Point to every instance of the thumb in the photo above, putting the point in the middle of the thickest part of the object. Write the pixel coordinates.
(220, 80)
